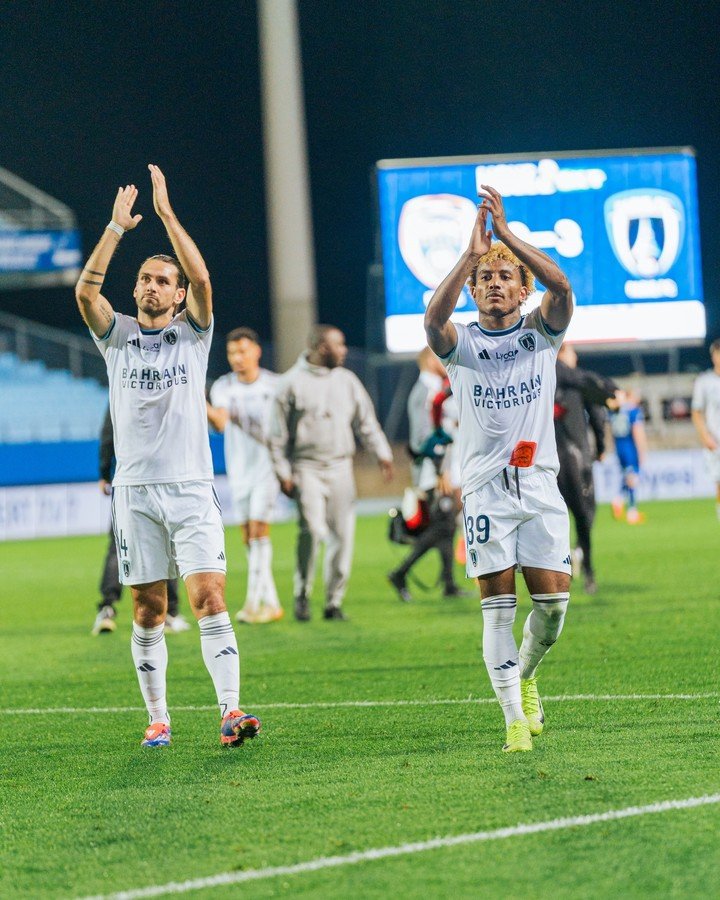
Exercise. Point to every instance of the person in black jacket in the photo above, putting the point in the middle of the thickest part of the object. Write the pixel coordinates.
(580, 398)
(428, 443)
(110, 587)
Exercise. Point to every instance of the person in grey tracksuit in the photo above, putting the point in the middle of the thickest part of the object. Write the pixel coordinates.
(319, 410)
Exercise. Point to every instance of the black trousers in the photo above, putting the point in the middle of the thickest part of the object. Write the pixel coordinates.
(575, 481)
(110, 587)
(439, 535)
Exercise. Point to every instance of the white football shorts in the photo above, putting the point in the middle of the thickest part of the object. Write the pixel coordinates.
(255, 503)
(519, 517)
(712, 461)
(165, 529)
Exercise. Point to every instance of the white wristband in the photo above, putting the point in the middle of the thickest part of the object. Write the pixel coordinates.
(118, 229)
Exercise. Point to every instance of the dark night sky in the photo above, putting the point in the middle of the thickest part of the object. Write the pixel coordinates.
(92, 92)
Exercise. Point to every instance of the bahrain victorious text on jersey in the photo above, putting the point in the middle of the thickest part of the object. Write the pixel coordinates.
(157, 400)
(504, 385)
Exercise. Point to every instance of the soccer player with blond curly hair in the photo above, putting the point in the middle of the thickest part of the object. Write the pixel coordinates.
(502, 372)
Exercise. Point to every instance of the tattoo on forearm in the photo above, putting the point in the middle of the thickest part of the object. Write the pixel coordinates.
(106, 312)
(90, 281)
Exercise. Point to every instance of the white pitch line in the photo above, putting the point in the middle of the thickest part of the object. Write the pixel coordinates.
(332, 862)
(353, 704)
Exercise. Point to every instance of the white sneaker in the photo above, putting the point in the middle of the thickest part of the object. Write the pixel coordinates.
(248, 616)
(104, 621)
(177, 623)
(269, 614)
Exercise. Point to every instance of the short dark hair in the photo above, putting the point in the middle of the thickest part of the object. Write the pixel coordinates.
(318, 334)
(181, 276)
(237, 334)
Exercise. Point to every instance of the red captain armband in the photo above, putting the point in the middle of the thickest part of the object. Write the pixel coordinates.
(523, 456)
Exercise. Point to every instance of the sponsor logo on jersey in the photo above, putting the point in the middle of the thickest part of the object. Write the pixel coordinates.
(144, 346)
(487, 397)
(506, 355)
(527, 342)
(151, 379)
(483, 354)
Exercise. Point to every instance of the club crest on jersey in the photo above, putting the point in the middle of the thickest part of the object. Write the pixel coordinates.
(170, 337)
(527, 342)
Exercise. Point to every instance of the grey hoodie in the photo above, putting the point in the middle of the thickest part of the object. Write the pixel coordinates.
(316, 415)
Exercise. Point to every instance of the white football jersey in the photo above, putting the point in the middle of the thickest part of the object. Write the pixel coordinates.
(706, 398)
(157, 400)
(503, 383)
(247, 458)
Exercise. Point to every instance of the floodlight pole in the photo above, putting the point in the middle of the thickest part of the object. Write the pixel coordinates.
(287, 190)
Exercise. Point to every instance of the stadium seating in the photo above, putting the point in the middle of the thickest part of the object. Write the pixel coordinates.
(38, 404)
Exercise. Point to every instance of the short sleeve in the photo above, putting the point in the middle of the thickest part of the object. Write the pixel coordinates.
(115, 336)
(458, 356)
(203, 336)
(535, 320)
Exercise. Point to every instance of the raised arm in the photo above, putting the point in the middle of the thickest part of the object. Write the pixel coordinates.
(557, 303)
(94, 308)
(199, 295)
(440, 331)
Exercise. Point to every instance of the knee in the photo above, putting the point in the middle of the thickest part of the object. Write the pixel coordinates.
(550, 616)
(150, 607)
(148, 617)
(209, 601)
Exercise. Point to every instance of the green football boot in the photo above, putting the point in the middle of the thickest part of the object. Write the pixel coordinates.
(518, 739)
(532, 705)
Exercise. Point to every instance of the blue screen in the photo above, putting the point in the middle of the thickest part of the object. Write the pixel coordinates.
(622, 226)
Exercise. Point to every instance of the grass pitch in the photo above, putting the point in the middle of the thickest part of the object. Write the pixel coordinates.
(84, 811)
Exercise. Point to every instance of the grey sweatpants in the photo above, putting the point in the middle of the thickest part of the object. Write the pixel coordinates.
(326, 503)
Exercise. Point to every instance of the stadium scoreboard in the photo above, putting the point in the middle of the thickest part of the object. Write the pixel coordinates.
(622, 225)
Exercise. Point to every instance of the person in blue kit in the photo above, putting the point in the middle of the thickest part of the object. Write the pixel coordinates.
(627, 424)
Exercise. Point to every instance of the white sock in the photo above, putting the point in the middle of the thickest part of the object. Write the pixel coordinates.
(220, 653)
(500, 653)
(254, 582)
(542, 629)
(268, 591)
(149, 653)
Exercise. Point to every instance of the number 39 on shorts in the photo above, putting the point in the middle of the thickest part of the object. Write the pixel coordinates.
(477, 529)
